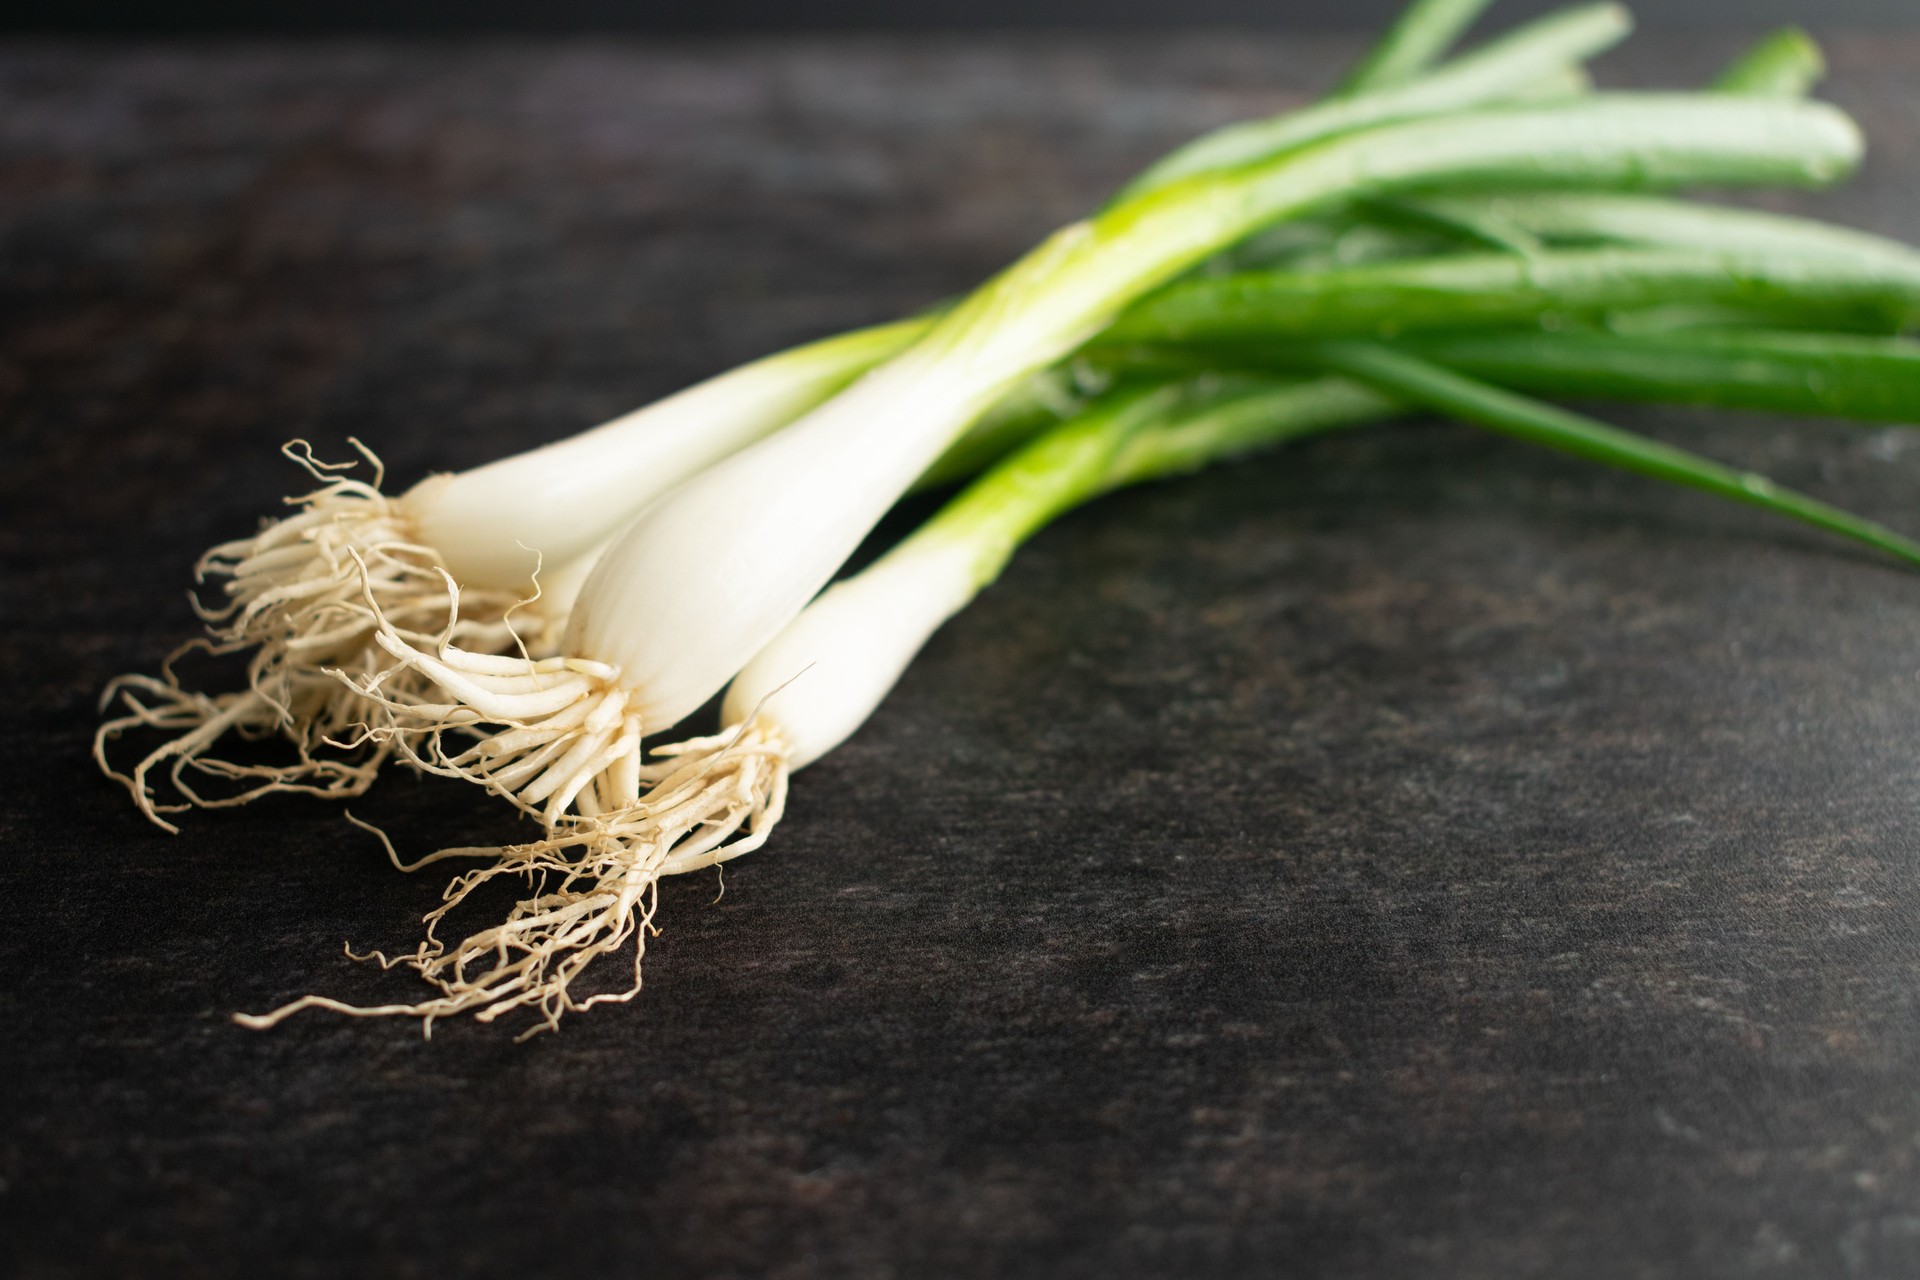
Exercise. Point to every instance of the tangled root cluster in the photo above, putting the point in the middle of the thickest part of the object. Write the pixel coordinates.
(564, 737)
(303, 597)
(596, 884)
(361, 648)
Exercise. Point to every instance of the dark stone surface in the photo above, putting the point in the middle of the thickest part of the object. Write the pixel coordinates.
(1402, 856)
(418, 17)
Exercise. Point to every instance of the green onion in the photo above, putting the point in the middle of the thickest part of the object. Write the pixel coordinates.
(709, 574)
(712, 799)
(1132, 345)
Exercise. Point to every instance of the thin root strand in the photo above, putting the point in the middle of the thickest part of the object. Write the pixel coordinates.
(595, 884)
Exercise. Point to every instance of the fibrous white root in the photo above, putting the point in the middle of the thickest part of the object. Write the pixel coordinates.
(297, 600)
(596, 883)
(565, 739)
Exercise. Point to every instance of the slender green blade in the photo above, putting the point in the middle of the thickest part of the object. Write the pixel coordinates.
(1419, 38)
(1661, 221)
(1400, 374)
(1511, 68)
(1221, 418)
(1787, 64)
(1547, 289)
(1832, 375)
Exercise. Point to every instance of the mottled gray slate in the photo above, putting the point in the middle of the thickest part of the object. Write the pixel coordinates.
(1402, 856)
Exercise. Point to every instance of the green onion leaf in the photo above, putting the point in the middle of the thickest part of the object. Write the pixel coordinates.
(1834, 375)
(1510, 68)
(1658, 221)
(1787, 64)
(1399, 374)
(1492, 290)
(1418, 39)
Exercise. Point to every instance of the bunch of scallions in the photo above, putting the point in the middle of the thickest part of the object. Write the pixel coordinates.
(1444, 233)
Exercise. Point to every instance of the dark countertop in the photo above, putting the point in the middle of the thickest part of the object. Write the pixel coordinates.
(1407, 855)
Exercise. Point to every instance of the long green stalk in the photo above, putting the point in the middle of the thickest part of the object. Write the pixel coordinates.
(1051, 302)
(1422, 382)
(1418, 39)
(1813, 374)
(1034, 313)
(1656, 221)
(1509, 68)
(1786, 64)
(1487, 290)
(1832, 375)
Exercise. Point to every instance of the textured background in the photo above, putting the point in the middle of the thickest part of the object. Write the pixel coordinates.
(442, 16)
(1401, 856)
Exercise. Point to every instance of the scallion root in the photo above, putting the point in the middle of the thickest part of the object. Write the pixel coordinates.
(315, 713)
(304, 597)
(566, 739)
(595, 884)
